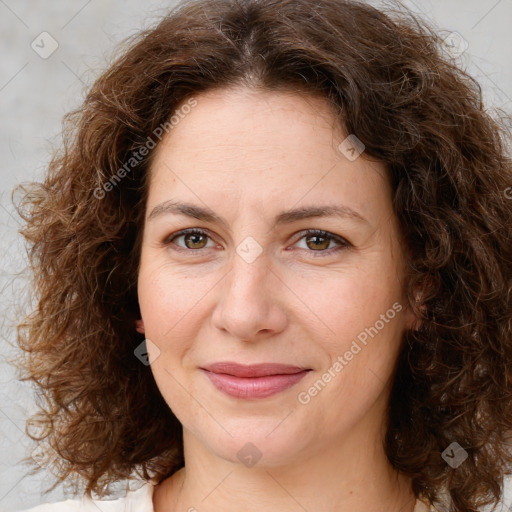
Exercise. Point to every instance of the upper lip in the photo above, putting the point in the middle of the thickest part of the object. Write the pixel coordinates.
(253, 370)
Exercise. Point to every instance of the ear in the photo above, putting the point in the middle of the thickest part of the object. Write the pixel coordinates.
(139, 326)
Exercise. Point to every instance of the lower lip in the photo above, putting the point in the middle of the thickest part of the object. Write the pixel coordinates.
(253, 387)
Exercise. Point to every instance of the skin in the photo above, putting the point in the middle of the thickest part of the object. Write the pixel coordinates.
(249, 155)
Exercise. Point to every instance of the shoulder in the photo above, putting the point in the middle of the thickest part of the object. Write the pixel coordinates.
(140, 500)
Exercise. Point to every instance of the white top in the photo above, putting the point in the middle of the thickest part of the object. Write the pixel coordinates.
(140, 500)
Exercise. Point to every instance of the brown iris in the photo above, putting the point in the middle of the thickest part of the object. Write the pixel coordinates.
(196, 240)
(316, 245)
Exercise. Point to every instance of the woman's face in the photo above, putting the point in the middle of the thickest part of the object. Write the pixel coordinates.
(252, 173)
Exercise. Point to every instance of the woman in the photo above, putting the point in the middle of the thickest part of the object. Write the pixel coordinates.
(273, 270)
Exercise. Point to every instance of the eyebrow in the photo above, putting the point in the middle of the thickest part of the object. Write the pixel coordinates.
(286, 217)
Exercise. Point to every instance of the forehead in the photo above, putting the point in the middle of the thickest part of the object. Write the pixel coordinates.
(230, 120)
(260, 147)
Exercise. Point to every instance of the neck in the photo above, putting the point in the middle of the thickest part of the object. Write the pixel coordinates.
(350, 475)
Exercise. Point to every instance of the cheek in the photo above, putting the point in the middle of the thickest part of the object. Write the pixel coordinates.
(170, 300)
(342, 305)
(169, 306)
(360, 356)
(363, 316)
(372, 326)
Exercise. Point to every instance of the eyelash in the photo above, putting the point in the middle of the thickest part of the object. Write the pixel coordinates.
(343, 244)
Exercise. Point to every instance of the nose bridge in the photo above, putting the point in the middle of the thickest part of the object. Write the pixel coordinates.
(249, 273)
(248, 301)
(249, 262)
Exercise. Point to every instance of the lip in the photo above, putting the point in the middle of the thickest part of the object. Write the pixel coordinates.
(253, 381)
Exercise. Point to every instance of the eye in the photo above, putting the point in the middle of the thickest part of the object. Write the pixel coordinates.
(193, 239)
(319, 241)
(316, 240)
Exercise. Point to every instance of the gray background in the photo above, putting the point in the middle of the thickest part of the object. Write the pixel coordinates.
(36, 92)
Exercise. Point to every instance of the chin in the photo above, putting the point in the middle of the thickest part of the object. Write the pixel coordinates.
(265, 442)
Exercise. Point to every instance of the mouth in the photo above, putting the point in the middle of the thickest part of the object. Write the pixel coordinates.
(253, 381)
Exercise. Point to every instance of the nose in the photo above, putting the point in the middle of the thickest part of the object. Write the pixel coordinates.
(250, 300)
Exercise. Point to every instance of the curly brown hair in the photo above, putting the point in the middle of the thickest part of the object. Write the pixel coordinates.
(392, 84)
